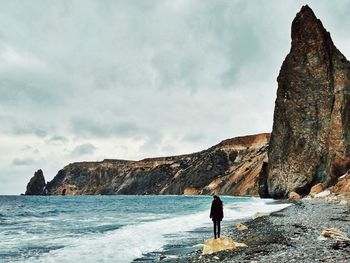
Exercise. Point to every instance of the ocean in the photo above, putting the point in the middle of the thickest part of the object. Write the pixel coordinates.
(112, 228)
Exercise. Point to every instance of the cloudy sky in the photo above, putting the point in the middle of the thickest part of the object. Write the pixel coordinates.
(88, 80)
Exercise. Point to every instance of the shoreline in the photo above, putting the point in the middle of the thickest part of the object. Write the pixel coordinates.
(288, 235)
(192, 240)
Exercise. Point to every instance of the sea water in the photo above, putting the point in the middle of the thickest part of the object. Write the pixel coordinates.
(112, 228)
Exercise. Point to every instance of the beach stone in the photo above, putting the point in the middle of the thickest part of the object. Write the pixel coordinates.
(317, 188)
(311, 125)
(294, 196)
(211, 246)
(334, 233)
(241, 227)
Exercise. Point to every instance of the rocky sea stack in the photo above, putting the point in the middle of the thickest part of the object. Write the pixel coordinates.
(312, 111)
(36, 185)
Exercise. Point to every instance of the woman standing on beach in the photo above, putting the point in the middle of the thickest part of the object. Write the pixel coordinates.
(216, 214)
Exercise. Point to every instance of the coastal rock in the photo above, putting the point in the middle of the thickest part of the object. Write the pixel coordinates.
(241, 227)
(334, 233)
(342, 186)
(231, 167)
(311, 125)
(211, 246)
(318, 188)
(36, 185)
(294, 196)
(191, 191)
(340, 167)
(263, 192)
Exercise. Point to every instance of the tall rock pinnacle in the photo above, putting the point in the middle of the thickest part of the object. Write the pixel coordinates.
(36, 184)
(312, 110)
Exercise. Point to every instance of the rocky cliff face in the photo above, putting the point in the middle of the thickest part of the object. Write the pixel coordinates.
(36, 185)
(231, 167)
(312, 111)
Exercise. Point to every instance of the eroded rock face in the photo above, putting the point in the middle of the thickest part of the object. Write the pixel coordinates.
(231, 167)
(339, 167)
(312, 110)
(263, 192)
(342, 186)
(340, 176)
(36, 185)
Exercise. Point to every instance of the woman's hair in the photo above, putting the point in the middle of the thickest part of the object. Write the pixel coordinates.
(217, 198)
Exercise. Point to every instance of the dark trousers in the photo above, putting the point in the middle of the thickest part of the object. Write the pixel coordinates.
(216, 228)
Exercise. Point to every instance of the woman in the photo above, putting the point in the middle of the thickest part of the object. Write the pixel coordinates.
(216, 214)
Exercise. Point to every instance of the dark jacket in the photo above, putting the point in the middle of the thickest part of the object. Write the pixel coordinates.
(216, 211)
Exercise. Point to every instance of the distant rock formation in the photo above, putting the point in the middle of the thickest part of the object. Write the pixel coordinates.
(231, 167)
(36, 185)
(312, 111)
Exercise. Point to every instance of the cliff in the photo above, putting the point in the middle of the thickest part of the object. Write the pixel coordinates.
(230, 167)
(311, 125)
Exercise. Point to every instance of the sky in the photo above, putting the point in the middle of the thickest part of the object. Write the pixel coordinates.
(89, 80)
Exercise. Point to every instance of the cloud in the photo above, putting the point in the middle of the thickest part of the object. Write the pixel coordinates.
(13, 59)
(193, 137)
(140, 80)
(28, 148)
(23, 129)
(58, 139)
(83, 149)
(22, 162)
(106, 128)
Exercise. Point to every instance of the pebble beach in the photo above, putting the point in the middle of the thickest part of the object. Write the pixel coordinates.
(293, 234)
